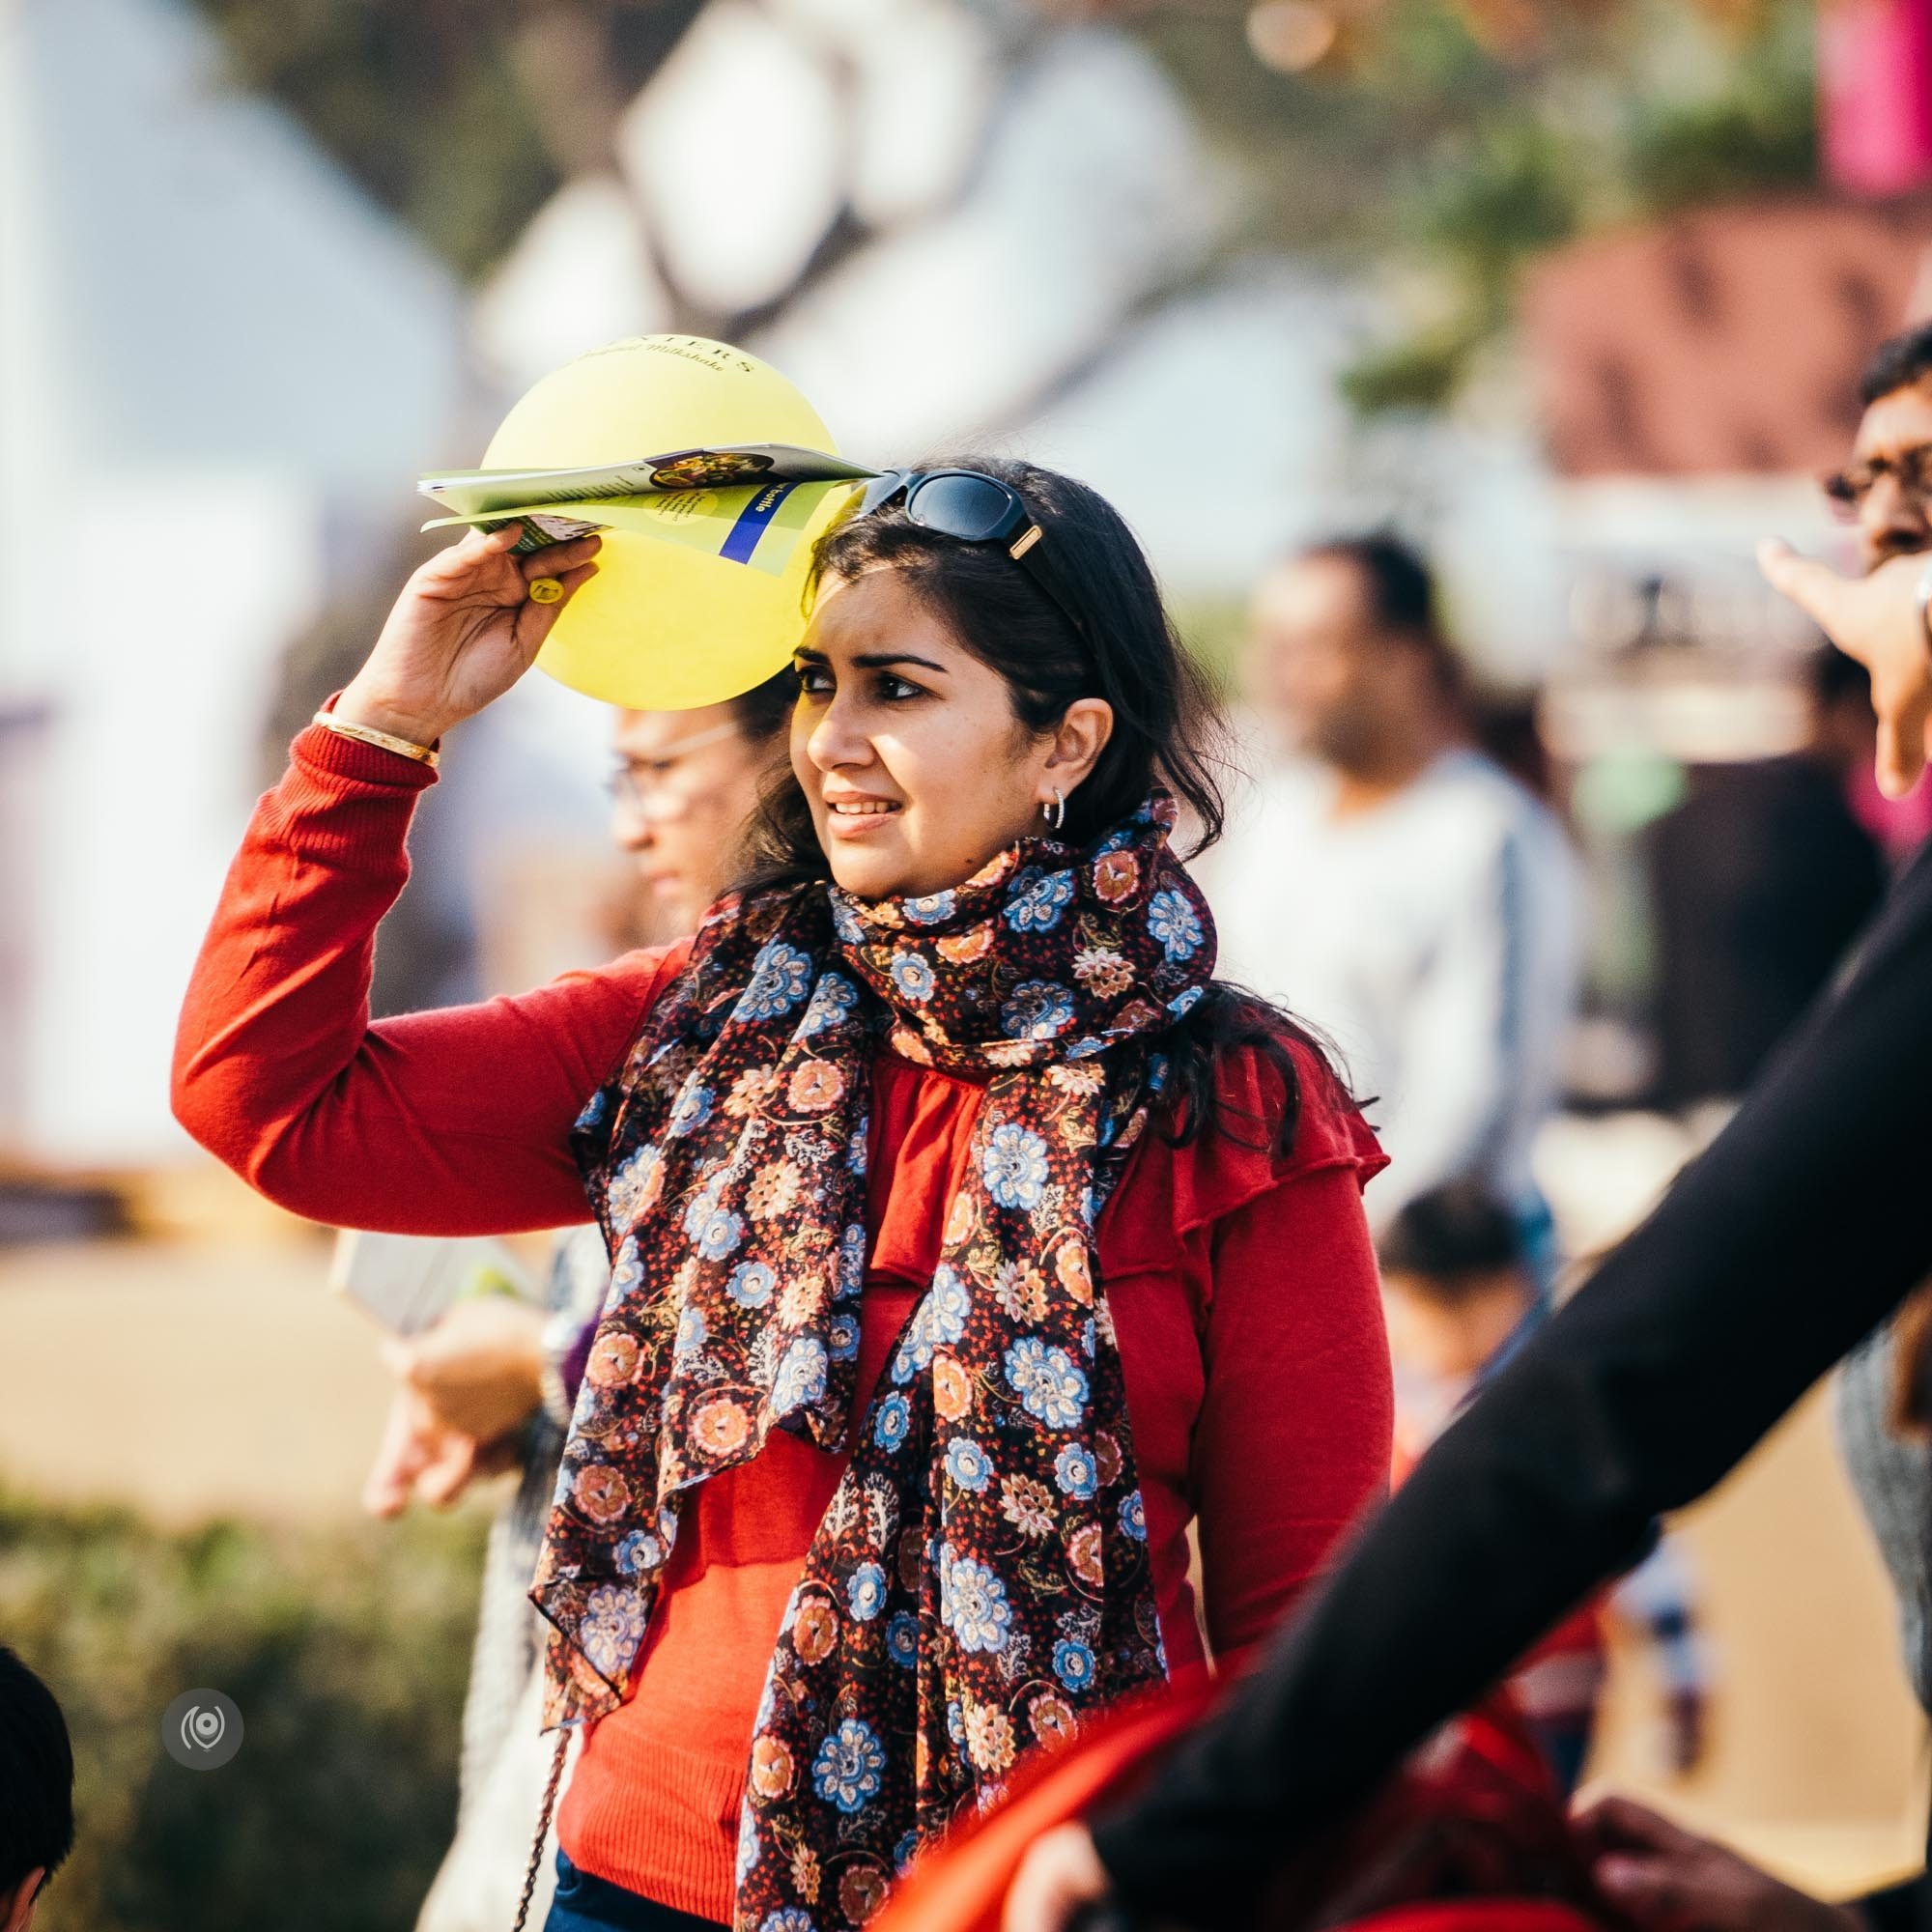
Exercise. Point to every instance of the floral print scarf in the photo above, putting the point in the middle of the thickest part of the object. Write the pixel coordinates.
(980, 1579)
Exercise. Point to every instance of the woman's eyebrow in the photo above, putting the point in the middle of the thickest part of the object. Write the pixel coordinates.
(870, 660)
(885, 660)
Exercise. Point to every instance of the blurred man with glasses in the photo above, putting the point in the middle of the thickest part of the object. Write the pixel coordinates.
(1886, 487)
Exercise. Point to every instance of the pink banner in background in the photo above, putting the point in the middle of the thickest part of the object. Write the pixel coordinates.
(1875, 94)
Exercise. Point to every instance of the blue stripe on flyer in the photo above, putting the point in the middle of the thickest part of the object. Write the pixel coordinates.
(743, 540)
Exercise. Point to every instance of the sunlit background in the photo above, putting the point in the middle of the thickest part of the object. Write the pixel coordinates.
(1575, 295)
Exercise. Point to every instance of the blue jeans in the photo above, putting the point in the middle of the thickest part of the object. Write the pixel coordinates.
(585, 1903)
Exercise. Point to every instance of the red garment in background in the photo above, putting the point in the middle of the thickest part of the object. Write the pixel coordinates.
(1243, 1288)
(1471, 1837)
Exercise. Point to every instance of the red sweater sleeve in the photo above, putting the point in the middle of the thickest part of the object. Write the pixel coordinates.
(450, 1123)
(1296, 1424)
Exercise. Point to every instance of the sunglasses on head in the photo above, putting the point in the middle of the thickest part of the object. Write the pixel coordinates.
(973, 507)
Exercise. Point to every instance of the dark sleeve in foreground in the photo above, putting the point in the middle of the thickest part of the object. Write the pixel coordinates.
(1801, 1227)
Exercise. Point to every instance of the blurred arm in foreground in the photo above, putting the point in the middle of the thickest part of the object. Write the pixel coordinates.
(1799, 1229)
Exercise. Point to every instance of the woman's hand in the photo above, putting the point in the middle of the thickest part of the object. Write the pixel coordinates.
(421, 1457)
(1061, 1875)
(462, 632)
(479, 1370)
(1666, 1877)
(1875, 620)
(465, 1386)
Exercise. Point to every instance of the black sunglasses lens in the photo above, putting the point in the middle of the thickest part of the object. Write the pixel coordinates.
(876, 494)
(970, 508)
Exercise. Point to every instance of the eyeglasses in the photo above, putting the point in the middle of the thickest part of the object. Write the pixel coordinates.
(1911, 469)
(647, 795)
(975, 508)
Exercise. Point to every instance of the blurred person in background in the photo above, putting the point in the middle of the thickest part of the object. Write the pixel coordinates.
(968, 1240)
(35, 1791)
(1884, 492)
(492, 1383)
(1459, 1296)
(1761, 880)
(1774, 1254)
(1395, 882)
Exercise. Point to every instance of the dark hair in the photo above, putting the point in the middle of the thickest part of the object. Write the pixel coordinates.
(1402, 596)
(1451, 1236)
(1166, 724)
(1897, 363)
(763, 712)
(36, 1775)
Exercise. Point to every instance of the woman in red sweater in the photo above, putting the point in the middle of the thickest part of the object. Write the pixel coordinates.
(968, 1240)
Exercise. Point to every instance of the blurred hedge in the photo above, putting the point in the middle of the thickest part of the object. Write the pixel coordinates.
(346, 1651)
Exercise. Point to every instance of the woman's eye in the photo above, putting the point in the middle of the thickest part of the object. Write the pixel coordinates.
(813, 678)
(898, 689)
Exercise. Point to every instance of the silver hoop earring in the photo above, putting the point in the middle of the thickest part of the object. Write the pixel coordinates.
(1056, 812)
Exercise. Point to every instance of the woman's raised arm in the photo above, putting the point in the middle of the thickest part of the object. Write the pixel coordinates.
(443, 1123)
(446, 1123)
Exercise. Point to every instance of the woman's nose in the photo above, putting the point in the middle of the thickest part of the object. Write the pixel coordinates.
(834, 741)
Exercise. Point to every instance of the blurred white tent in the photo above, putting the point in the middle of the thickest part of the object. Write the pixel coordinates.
(219, 364)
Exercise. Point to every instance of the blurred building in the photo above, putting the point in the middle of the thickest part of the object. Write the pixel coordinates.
(219, 367)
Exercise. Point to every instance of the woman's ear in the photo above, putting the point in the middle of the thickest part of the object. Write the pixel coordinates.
(1078, 740)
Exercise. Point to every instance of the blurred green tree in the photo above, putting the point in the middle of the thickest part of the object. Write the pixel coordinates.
(1448, 142)
(462, 116)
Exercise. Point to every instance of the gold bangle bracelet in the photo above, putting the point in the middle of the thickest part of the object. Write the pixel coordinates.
(367, 734)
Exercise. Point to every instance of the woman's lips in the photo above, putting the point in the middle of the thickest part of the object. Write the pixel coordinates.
(859, 818)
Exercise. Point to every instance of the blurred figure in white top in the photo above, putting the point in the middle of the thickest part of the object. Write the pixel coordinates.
(1393, 884)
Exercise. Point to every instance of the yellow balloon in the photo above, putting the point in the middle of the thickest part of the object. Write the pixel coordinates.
(666, 624)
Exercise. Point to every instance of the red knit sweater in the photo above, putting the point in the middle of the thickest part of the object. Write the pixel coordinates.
(1243, 1286)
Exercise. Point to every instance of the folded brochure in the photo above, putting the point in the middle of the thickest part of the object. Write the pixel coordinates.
(745, 502)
